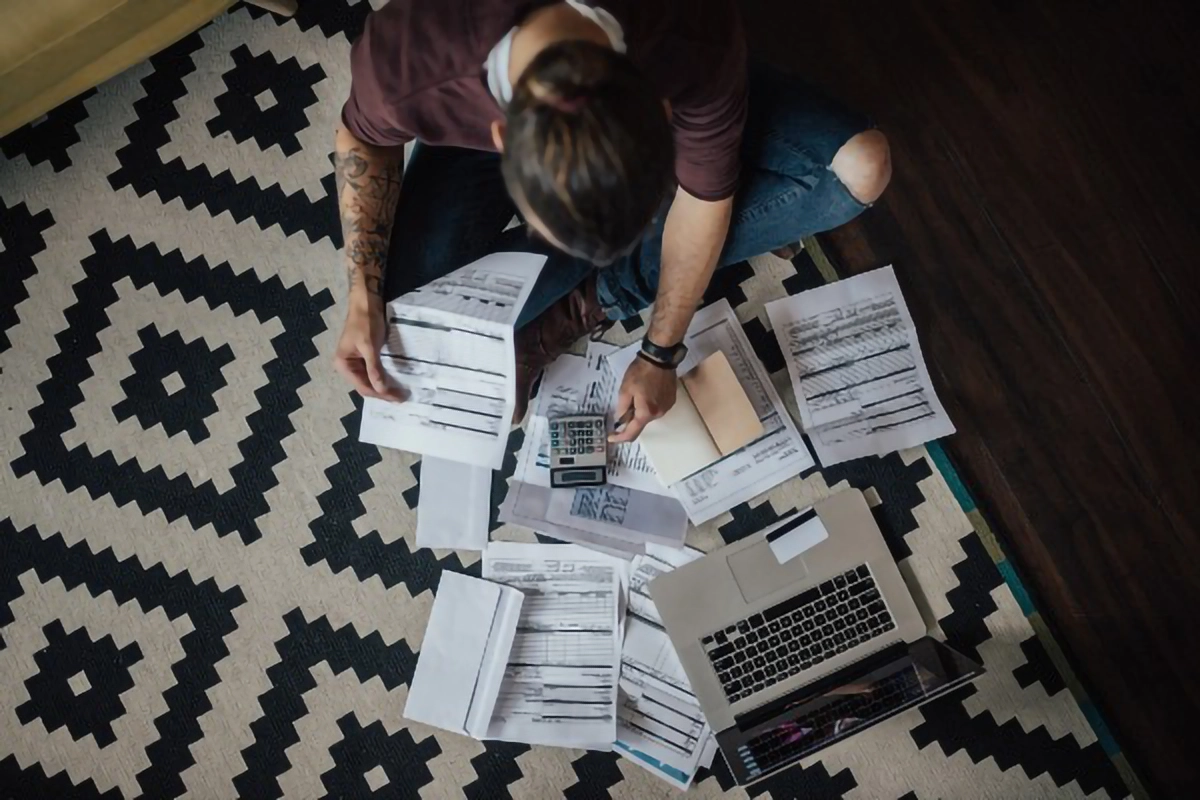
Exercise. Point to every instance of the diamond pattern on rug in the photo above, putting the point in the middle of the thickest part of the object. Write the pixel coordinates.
(79, 684)
(45, 453)
(252, 108)
(155, 392)
(170, 633)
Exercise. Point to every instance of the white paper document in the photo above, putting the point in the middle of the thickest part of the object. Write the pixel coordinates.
(462, 660)
(454, 505)
(613, 518)
(528, 505)
(780, 453)
(450, 347)
(560, 683)
(856, 367)
(659, 722)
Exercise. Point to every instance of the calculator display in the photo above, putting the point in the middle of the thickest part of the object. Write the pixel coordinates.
(571, 477)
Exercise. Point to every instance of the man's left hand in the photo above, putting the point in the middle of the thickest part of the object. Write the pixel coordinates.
(649, 392)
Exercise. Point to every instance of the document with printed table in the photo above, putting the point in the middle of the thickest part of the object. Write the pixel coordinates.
(770, 459)
(856, 367)
(462, 661)
(450, 348)
(659, 722)
(560, 683)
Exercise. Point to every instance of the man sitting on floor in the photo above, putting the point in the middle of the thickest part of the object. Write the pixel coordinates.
(631, 137)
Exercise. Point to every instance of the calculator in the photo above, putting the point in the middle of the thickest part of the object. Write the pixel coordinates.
(578, 451)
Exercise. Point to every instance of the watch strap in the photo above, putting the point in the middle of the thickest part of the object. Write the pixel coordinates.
(663, 356)
(660, 364)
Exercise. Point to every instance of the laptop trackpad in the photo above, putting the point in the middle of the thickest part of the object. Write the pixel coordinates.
(758, 572)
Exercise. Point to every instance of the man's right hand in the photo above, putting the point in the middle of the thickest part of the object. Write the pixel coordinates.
(357, 354)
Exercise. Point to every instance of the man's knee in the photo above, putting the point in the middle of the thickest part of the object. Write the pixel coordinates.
(864, 165)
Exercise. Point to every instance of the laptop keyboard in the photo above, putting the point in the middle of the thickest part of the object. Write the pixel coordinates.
(799, 633)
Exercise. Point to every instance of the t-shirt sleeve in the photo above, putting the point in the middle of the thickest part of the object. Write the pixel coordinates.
(708, 125)
(375, 85)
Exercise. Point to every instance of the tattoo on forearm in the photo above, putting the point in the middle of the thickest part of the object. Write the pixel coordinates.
(367, 195)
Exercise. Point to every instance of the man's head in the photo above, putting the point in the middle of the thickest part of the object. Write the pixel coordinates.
(587, 150)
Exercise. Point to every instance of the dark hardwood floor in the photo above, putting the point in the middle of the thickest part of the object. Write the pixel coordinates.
(1043, 222)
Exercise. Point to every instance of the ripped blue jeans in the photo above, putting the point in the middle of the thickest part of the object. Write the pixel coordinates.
(454, 207)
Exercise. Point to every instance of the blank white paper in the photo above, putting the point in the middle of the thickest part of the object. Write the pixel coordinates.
(454, 505)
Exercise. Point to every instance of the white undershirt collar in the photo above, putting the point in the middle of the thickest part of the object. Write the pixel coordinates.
(498, 59)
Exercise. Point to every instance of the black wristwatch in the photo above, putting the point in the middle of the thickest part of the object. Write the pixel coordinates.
(665, 357)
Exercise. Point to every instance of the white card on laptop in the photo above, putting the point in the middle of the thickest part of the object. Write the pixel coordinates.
(462, 659)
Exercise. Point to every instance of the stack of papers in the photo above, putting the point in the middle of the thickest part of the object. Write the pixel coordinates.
(856, 367)
(535, 653)
(450, 347)
(634, 509)
(778, 454)
(659, 722)
(561, 645)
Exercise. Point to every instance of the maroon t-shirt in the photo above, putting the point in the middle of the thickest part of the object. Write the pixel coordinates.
(417, 72)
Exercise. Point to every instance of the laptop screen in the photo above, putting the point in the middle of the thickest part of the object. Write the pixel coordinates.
(818, 715)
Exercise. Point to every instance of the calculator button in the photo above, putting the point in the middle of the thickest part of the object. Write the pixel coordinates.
(599, 424)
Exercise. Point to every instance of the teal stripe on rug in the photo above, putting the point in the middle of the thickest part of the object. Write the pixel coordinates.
(1016, 587)
(942, 461)
(1101, 730)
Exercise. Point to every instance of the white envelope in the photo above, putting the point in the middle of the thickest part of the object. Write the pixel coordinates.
(462, 659)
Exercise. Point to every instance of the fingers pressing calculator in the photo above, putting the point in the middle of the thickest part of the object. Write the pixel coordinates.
(578, 451)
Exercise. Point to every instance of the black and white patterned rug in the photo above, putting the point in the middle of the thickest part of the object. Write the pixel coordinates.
(208, 587)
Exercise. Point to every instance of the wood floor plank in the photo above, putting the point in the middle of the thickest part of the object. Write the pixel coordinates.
(1040, 219)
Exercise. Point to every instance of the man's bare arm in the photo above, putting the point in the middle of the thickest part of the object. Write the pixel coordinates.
(368, 187)
(693, 237)
(368, 184)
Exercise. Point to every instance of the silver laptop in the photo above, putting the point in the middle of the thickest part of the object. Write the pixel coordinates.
(800, 635)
